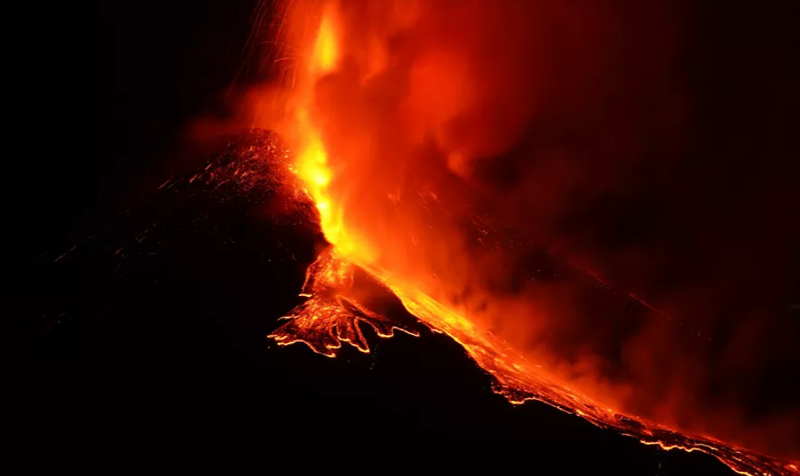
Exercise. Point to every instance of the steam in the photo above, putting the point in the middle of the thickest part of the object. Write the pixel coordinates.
(500, 154)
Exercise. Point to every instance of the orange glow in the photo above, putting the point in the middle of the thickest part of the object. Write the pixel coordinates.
(326, 47)
(380, 217)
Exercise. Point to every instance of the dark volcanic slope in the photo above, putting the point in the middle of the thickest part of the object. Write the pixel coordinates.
(154, 327)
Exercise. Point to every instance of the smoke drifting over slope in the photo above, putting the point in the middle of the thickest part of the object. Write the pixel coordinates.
(473, 145)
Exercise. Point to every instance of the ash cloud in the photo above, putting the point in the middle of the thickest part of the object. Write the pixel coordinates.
(649, 143)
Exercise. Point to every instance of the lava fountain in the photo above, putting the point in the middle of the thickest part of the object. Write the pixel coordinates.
(473, 158)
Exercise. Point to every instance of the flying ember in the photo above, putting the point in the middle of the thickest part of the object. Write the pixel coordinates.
(487, 164)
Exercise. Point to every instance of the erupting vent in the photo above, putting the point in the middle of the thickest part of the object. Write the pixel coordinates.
(445, 143)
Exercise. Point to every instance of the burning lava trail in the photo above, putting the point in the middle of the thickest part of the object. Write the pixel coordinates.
(387, 208)
(329, 318)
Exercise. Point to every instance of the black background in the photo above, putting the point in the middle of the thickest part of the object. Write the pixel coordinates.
(100, 94)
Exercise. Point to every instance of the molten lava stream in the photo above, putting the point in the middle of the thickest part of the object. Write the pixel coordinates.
(332, 312)
(329, 317)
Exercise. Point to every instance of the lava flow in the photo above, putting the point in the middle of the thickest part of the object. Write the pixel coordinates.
(329, 317)
(429, 139)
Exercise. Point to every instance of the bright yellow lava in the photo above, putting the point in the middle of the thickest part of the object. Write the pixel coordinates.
(517, 378)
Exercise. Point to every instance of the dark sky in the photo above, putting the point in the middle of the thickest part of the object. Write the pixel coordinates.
(103, 90)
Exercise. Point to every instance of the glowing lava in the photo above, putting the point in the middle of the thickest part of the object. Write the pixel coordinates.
(331, 315)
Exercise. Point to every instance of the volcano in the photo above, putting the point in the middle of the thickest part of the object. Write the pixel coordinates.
(535, 221)
(177, 295)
